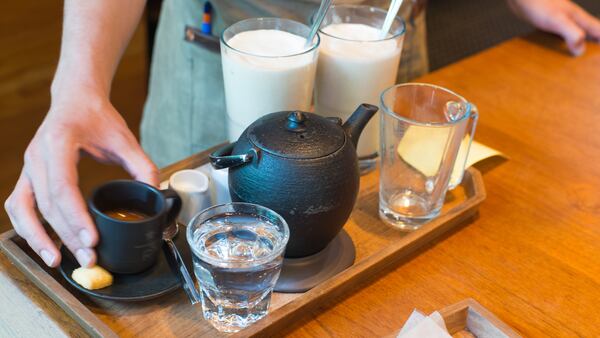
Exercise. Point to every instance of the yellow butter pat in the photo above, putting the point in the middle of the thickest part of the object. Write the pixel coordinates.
(92, 278)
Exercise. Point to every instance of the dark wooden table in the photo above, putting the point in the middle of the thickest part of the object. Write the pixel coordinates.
(533, 255)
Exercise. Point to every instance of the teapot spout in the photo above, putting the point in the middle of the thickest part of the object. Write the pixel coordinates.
(358, 121)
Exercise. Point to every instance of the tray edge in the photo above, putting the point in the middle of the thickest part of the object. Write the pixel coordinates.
(47, 284)
(461, 308)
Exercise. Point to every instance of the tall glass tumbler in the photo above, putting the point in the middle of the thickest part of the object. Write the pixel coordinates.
(426, 131)
(266, 68)
(355, 66)
(237, 252)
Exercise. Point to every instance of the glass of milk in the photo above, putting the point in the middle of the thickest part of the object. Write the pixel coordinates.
(355, 66)
(267, 68)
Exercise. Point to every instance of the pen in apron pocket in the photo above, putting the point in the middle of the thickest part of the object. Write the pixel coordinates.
(202, 36)
(207, 19)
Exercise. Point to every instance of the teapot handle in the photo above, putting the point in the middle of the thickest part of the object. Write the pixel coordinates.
(222, 158)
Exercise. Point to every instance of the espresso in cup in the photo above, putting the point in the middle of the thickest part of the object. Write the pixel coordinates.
(130, 217)
(126, 215)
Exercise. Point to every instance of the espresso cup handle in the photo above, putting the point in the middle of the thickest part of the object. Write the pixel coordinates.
(175, 207)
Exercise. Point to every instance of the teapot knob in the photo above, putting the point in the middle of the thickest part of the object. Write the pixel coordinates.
(295, 122)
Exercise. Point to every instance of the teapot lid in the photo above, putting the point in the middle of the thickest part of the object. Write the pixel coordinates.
(297, 135)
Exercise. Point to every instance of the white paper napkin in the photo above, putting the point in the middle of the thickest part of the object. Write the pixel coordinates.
(421, 148)
(418, 326)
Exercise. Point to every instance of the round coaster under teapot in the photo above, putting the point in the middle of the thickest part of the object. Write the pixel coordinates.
(302, 274)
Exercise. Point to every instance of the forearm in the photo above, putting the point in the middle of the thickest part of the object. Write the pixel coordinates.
(95, 35)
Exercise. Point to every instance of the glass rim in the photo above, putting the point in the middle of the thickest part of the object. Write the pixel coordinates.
(306, 51)
(390, 112)
(376, 9)
(278, 250)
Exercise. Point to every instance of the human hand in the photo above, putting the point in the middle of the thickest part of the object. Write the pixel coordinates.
(561, 17)
(85, 123)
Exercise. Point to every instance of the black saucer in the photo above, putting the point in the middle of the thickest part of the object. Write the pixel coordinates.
(158, 280)
(302, 274)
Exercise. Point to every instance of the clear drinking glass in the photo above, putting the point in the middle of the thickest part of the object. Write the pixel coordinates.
(355, 66)
(237, 252)
(425, 131)
(258, 80)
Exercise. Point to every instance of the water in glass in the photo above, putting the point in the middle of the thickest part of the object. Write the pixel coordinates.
(237, 260)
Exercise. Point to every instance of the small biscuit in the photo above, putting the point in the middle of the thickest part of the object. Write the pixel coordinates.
(92, 278)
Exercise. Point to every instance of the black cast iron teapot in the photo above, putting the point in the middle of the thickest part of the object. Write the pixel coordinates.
(302, 166)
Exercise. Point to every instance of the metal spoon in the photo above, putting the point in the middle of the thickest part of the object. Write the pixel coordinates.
(319, 16)
(186, 280)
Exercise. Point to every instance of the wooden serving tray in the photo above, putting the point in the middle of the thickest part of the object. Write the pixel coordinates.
(377, 247)
(468, 318)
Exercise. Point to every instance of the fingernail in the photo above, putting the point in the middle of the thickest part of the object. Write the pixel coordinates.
(84, 257)
(578, 49)
(47, 257)
(85, 237)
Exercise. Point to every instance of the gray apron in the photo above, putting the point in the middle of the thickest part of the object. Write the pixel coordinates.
(185, 109)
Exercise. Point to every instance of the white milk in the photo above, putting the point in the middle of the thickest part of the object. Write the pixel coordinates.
(267, 76)
(355, 72)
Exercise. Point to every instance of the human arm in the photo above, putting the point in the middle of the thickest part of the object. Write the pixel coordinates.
(81, 120)
(562, 17)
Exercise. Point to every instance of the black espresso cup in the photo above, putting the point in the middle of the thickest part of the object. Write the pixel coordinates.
(126, 245)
